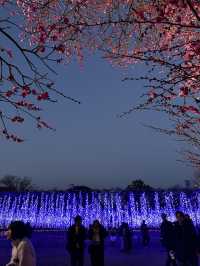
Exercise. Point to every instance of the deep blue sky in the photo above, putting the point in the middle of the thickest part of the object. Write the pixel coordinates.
(91, 146)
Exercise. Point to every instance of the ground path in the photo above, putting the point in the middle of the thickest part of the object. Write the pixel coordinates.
(50, 249)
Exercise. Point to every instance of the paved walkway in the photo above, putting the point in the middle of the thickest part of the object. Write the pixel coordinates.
(51, 252)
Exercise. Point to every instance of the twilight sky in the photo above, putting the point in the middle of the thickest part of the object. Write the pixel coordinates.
(91, 146)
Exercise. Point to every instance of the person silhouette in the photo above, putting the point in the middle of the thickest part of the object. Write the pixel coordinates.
(166, 237)
(145, 234)
(23, 253)
(185, 239)
(97, 234)
(126, 237)
(76, 236)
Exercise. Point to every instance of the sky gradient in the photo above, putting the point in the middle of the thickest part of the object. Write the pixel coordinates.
(91, 146)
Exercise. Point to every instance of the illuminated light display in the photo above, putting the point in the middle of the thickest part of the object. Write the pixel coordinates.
(56, 210)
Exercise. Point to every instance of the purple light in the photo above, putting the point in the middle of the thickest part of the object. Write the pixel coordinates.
(56, 210)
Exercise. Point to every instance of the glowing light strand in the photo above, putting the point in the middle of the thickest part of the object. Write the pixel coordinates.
(56, 210)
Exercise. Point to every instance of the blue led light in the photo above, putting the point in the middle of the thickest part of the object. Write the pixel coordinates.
(56, 210)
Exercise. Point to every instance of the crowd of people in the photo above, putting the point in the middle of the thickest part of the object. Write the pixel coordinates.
(180, 239)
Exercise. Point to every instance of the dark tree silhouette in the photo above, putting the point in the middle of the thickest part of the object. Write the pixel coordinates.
(15, 183)
(138, 185)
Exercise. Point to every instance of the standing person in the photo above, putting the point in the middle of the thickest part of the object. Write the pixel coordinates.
(113, 236)
(185, 240)
(166, 236)
(97, 234)
(126, 237)
(189, 220)
(145, 233)
(76, 236)
(23, 253)
(198, 240)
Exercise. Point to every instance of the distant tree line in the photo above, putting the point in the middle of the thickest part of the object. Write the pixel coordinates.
(22, 184)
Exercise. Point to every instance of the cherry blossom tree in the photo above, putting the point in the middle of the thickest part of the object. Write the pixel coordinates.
(162, 34)
(165, 36)
(24, 68)
(170, 45)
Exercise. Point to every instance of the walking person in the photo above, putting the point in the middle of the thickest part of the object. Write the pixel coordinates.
(76, 236)
(126, 237)
(166, 236)
(23, 253)
(145, 234)
(185, 239)
(97, 234)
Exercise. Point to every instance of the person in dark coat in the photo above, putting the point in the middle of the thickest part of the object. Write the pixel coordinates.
(166, 237)
(145, 234)
(97, 234)
(189, 220)
(113, 236)
(76, 236)
(185, 240)
(126, 237)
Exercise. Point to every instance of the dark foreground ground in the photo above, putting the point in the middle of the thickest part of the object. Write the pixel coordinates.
(50, 249)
